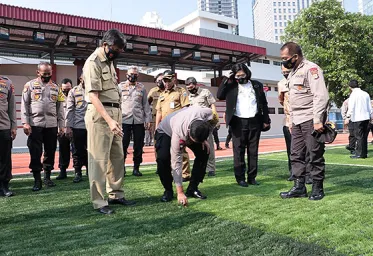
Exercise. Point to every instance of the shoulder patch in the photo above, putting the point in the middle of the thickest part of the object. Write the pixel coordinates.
(25, 88)
(315, 72)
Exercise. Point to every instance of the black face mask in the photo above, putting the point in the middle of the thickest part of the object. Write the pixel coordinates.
(286, 76)
(66, 92)
(132, 78)
(160, 85)
(242, 80)
(193, 91)
(288, 63)
(111, 54)
(45, 79)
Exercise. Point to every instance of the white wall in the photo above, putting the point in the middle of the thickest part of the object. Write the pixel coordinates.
(213, 25)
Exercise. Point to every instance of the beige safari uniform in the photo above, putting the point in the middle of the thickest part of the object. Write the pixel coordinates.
(204, 98)
(283, 88)
(76, 107)
(105, 150)
(8, 116)
(170, 101)
(154, 94)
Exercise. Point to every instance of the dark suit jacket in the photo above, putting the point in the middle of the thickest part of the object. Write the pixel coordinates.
(228, 91)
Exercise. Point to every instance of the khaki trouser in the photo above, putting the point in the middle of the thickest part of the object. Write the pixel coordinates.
(105, 157)
(211, 161)
(186, 165)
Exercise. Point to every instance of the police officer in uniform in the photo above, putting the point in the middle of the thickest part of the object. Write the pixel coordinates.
(103, 121)
(308, 97)
(8, 132)
(63, 140)
(136, 114)
(188, 127)
(171, 100)
(203, 98)
(42, 117)
(153, 96)
(76, 107)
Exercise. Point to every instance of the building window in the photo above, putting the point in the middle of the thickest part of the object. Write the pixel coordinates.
(276, 31)
(289, 17)
(280, 17)
(274, 10)
(269, 88)
(221, 25)
(275, 17)
(266, 62)
(279, 3)
(293, 3)
(274, 3)
(285, 24)
(288, 3)
(271, 111)
(279, 10)
(181, 30)
(294, 10)
(285, 18)
(283, 4)
(281, 111)
(276, 89)
(276, 63)
(280, 24)
(276, 38)
(284, 10)
(289, 10)
(275, 24)
(258, 61)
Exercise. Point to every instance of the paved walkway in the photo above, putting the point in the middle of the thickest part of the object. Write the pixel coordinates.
(21, 160)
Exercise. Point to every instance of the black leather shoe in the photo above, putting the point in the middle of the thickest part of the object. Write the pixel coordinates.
(78, 177)
(49, 183)
(186, 179)
(219, 148)
(243, 183)
(5, 190)
(105, 210)
(38, 184)
(308, 180)
(62, 175)
(298, 190)
(227, 146)
(253, 182)
(349, 148)
(317, 190)
(195, 194)
(211, 174)
(357, 157)
(136, 172)
(167, 196)
(291, 178)
(121, 201)
(352, 152)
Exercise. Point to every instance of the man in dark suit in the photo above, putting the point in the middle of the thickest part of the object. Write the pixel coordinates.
(247, 115)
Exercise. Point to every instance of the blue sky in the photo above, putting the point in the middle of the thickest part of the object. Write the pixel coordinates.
(131, 11)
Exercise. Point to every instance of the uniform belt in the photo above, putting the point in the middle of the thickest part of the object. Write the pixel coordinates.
(109, 104)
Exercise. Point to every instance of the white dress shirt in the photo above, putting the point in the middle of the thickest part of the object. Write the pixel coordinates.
(246, 106)
(359, 106)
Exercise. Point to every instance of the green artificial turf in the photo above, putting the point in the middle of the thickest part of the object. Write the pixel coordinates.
(232, 221)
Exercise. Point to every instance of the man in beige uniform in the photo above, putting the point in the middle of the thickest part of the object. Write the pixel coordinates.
(103, 119)
(203, 98)
(136, 115)
(42, 117)
(171, 100)
(188, 127)
(308, 97)
(153, 96)
(8, 132)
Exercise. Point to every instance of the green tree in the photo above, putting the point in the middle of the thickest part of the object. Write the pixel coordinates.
(340, 43)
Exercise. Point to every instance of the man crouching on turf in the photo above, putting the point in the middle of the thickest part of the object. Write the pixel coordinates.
(188, 127)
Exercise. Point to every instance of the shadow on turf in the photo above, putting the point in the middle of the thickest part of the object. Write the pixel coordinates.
(164, 230)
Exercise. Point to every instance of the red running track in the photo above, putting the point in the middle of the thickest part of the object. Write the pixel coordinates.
(21, 161)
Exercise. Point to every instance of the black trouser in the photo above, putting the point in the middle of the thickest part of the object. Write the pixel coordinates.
(245, 135)
(303, 143)
(361, 135)
(287, 136)
(80, 156)
(229, 136)
(351, 137)
(64, 151)
(138, 141)
(162, 147)
(216, 137)
(5, 155)
(42, 136)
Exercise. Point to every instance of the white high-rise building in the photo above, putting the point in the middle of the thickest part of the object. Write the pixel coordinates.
(222, 7)
(366, 7)
(152, 20)
(272, 16)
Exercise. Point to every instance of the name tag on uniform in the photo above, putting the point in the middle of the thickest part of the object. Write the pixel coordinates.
(172, 105)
